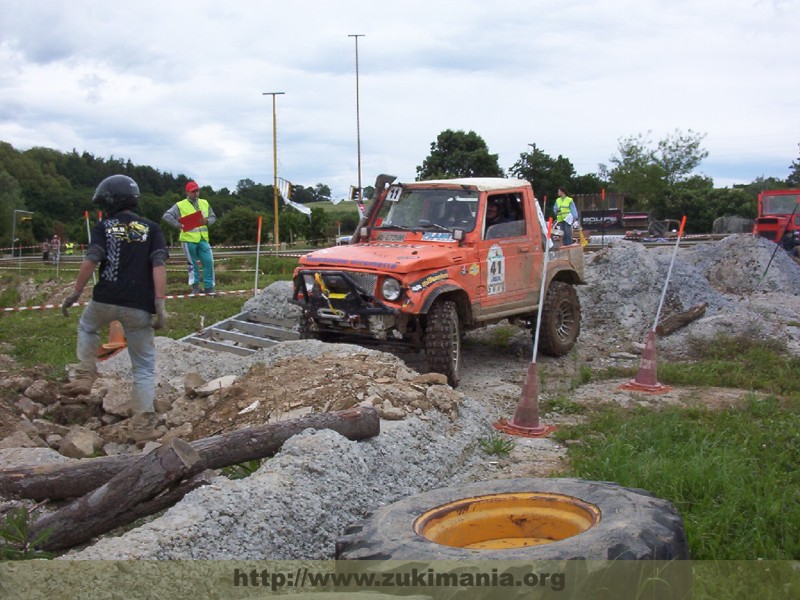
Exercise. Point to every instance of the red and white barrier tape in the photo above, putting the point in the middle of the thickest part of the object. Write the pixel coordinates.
(174, 296)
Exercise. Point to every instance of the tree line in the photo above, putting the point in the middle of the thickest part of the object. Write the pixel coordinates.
(57, 187)
(658, 177)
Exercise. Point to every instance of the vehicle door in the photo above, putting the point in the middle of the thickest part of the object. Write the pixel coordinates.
(506, 255)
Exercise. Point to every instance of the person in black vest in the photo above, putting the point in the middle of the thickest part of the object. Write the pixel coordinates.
(132, 254)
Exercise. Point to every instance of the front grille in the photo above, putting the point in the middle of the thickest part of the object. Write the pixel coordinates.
(366, 282)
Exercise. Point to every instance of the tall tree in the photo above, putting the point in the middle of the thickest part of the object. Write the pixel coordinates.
(459, 154)
(544, 173)
(650, 174)
(794, 176)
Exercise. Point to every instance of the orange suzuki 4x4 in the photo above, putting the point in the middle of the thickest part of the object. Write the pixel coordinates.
(425, 266)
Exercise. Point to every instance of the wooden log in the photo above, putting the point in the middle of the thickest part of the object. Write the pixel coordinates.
(111, 505)
(169, 497)
(676, 321)
(57, 481)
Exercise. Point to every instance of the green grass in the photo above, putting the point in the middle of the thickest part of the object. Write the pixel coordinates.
(496, 444)
(731, 473)
(49, 337)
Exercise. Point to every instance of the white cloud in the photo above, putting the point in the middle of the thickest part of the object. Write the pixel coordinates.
(178, 85)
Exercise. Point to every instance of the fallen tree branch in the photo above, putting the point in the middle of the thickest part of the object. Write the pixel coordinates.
(676, 321)
(113, 504)
(58, 481)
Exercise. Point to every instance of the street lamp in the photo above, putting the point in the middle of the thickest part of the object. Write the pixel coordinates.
(274, 164)
(358, 123)
(14, 230)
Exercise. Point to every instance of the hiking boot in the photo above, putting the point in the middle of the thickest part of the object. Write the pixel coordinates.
(143, 427)
(210, 292)
(81, 386)
(195, 289)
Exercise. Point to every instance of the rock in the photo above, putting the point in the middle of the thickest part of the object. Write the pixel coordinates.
(291, 414)
(163, 404)
(183, 431)
(43, 392)
(17, 457)
(45, 428)
(80, 443)
(20, 439)
(29, 407)
(72, 414)
(191, 382)
(430, 379)
(54, 440)
(215, 385)
(117, 400)
(17, 383)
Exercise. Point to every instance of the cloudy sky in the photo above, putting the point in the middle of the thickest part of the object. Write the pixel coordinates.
(179, 85)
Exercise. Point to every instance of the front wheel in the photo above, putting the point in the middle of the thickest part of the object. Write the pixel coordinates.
(443, 341)
(561, 319)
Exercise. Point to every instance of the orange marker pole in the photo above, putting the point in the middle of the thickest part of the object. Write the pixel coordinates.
(603, 217)
(526, 416)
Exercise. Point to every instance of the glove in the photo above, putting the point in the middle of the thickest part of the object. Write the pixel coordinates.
(69, 301)
(160, 318)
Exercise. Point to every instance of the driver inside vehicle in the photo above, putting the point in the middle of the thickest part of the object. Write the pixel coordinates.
(495, 214)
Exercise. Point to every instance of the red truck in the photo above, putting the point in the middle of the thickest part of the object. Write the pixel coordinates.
(427, 265)
(778, 218)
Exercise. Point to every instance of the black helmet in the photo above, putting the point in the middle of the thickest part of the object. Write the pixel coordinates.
(117, 193)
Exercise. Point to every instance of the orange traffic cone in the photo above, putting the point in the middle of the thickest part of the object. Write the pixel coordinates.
(526, 417)
(646, 376)
(116, 341)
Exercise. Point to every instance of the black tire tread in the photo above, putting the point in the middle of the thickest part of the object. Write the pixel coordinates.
(634, 525)
(560, 297)
(442, 318)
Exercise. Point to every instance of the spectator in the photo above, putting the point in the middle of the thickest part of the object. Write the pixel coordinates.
(566, 214)
(46, 250)
(193, 215)
(132, 256)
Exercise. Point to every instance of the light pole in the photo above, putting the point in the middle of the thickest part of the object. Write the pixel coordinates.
(358, 122)
(275, 165)
(14, 232)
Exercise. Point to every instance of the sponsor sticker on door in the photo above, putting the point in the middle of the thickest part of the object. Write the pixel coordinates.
(495, 271)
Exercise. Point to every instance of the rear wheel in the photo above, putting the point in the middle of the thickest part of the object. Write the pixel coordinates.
(561, 319)
(443, 341)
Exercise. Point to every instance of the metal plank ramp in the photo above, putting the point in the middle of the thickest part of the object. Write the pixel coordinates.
(244, 334)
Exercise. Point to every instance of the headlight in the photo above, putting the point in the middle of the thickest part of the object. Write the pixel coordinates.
(390, 289)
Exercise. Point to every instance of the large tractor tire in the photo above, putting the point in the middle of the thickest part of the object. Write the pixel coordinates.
(561, 319)
(443, 341)
(589, 520)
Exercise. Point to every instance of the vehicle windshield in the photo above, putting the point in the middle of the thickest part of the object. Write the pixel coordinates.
(783, 204)
(435, 209)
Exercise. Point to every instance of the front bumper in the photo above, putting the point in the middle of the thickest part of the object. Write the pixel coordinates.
(341, 300)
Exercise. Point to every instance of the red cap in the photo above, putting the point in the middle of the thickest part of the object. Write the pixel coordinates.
(192, 186)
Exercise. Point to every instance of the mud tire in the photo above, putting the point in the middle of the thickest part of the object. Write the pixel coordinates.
(443, 341)
(561, 319)
(634, 525)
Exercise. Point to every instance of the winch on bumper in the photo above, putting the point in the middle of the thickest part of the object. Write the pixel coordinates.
(342, 301)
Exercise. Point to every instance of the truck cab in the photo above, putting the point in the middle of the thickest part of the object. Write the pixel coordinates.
(428, 264)
(778, 218)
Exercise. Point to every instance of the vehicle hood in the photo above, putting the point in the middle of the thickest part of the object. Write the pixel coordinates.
(397, 258)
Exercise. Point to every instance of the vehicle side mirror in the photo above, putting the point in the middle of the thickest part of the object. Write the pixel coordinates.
(458, 235)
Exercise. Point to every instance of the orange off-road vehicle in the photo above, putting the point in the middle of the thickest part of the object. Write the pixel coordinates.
(424, 267)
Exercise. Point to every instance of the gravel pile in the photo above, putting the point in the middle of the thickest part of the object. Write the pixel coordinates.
(299, 502)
